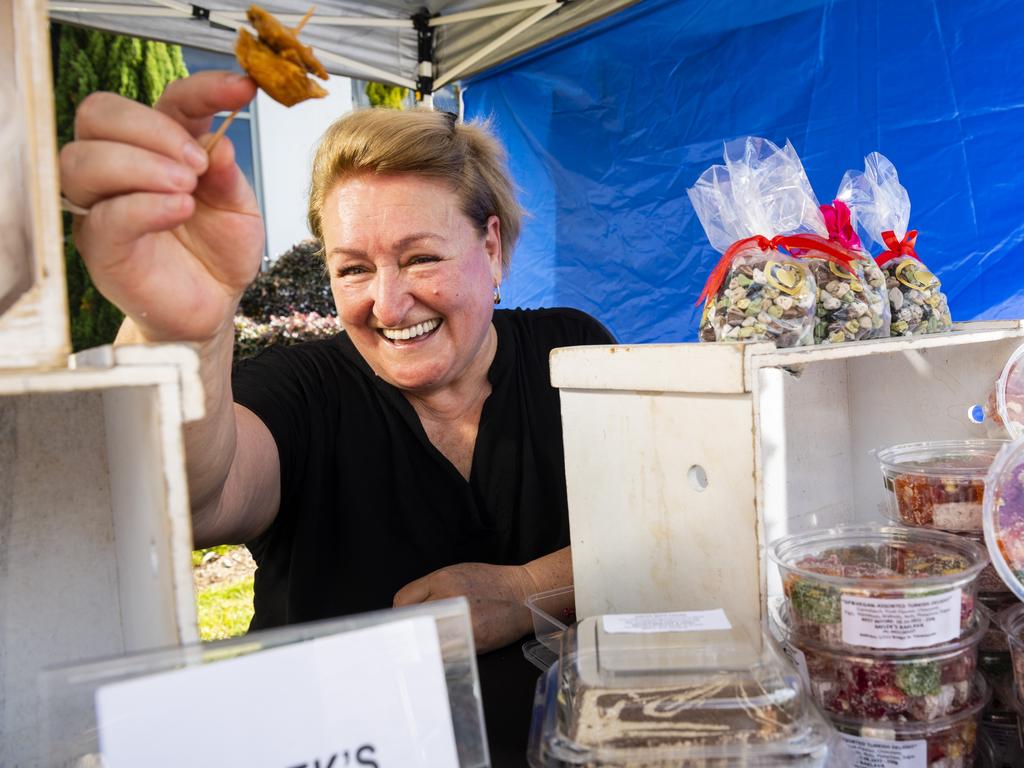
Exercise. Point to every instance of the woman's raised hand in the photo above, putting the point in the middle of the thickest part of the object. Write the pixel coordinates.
(172, 237)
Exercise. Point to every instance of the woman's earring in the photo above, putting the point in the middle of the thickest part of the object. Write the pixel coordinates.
(497, 294)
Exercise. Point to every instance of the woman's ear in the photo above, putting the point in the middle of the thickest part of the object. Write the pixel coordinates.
(492, 244)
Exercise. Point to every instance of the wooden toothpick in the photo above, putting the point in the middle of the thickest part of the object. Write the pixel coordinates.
(221, 131)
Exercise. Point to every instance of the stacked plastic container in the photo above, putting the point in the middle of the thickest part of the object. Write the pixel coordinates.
(884, 623)
(1003, 525)
(940, 485)
(626, 692)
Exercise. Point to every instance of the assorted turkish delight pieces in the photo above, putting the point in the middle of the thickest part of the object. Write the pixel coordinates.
(1004, 516)
(816, 605)
(954, 744)
(938, 484)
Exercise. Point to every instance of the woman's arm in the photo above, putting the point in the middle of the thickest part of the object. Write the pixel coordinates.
(496, 594)
(173, 236)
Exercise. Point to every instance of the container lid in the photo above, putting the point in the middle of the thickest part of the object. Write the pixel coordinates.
(1010, 394)
(664, 698)
(885, 555)
(941, 458)
(1003, 515)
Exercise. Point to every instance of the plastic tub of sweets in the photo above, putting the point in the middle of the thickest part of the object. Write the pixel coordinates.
(994, 640)
(1012, 622)
(883, 587)
(999, 741)
(667, 699)
(893, 686)
(938, 484)
(1004, 515)
(991, 587)
(552, 612)
(949, 742)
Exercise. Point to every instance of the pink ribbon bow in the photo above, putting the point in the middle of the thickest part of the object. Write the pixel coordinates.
(840, 227)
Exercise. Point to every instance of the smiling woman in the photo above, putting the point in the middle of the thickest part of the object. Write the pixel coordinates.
(417, 455)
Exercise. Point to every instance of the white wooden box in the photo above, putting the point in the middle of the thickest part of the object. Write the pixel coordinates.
(782, 439)
(33, 302)
(95, 533)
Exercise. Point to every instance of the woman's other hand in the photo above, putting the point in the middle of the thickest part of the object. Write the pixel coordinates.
(496, 594)
(172, 236)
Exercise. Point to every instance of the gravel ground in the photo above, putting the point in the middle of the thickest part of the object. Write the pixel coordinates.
(230, 568)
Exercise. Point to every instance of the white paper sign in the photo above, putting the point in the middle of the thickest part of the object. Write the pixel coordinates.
(901, 622)
(875, 753)
(678, 621)
(373, 697)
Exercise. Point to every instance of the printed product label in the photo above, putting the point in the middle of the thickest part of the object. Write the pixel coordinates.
(901, 622)
(875, 753)
(679, 621)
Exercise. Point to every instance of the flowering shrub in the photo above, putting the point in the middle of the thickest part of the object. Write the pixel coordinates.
(252, 336)
(290, 302)
(297, 282)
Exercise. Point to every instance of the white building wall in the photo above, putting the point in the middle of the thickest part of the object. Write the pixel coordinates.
(284, 145)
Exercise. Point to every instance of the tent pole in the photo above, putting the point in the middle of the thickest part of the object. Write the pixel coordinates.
(425, 68)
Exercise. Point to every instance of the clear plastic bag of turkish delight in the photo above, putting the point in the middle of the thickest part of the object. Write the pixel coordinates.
(880, 206)
(765, 294)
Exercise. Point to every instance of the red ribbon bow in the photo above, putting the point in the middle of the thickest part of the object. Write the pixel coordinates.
(840, 224)
(824, 249)
(897, 248)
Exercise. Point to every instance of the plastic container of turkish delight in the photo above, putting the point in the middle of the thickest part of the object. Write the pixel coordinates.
(895, 686)
(882, 587)
(1003, 515)
(1005, 404)
(552, 612)
(993, 592)
(999, 741)
(994, 640)
(948, 742)
(622, 696)
(938, 484)
(997, 669)
(1012, 622)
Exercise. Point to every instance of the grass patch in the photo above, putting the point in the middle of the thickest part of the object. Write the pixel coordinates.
(225, 611)
(220, 551)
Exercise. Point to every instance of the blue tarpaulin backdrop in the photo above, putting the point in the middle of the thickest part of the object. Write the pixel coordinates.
(606, 130)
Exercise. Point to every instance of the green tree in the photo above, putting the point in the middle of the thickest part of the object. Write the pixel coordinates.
(88, 60)
(390, 96)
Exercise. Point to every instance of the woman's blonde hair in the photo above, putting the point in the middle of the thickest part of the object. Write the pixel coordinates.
(420, 142)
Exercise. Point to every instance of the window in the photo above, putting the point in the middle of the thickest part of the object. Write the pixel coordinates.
(242, 129)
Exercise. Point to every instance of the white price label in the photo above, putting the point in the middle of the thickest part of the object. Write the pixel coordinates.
(875, 753)
(900, 623)
(678, 621)
(373, 697)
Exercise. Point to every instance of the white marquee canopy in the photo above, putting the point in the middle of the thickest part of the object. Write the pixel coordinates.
(419, 44)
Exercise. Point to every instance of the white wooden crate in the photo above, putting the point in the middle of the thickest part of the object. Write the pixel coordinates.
(782, 436)
(95, 533)
(33, 303)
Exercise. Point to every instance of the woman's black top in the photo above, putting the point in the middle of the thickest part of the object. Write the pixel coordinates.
(368, 504)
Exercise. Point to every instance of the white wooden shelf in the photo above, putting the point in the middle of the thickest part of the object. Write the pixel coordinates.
(783, 438)
(95, 533)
